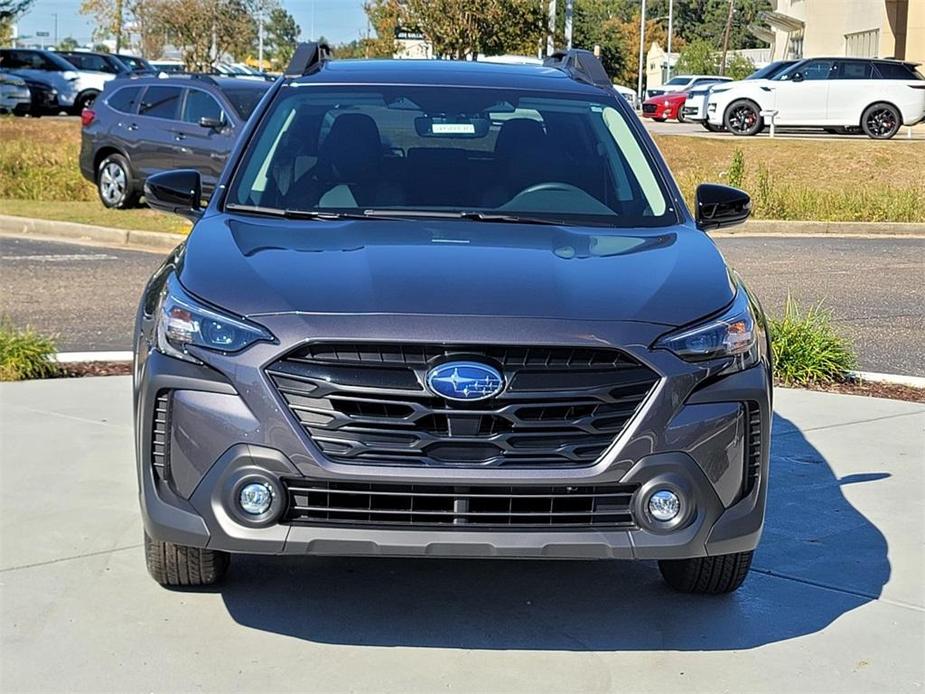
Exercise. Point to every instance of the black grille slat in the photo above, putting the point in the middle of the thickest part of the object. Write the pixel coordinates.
(753, 446)
(366, 403)
(160, 435)
(456, 507)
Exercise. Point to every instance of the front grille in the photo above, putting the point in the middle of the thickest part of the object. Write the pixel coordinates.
(753, 450)
(160, 435)
(649, 108)
(365, 403)
(458, 507)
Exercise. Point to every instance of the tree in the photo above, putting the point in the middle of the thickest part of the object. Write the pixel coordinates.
(110, 19)
(282, 36)
(204, 30)
(385, 17)
(698, 58)
(739, 67)
(9, 11)
(68, 43)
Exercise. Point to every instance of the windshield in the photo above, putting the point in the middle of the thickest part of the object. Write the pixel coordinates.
(245, 100)
(440, 150)
(679, 80)
(768, 71)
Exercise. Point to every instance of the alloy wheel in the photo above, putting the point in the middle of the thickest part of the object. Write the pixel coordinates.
(881, 121)
(742, 119)
(112, 183)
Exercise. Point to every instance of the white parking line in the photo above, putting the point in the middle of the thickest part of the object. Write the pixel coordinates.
(62, 258)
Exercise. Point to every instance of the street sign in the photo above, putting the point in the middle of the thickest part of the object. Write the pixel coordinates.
(42, 33)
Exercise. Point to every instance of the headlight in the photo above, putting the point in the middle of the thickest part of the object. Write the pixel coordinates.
(736, 335)
(183, 321)
(70, 75)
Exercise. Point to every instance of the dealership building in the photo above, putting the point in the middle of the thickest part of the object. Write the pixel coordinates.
(859, 28)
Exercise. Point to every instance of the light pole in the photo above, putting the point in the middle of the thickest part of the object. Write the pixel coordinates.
(670, 13)
(551, 35)
(642, 45)
(569, 9)
(55, 15)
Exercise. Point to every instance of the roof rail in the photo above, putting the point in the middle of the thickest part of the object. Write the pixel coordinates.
(581, 65)
(307, 58)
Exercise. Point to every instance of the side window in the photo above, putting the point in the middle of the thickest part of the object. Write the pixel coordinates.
(125, 100)
(817, 70)
(11, 60)
(853, 70)
(161, 102)
(896, 71)
(198, 105)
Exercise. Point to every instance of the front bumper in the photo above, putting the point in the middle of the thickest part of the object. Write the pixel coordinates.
(694, 439)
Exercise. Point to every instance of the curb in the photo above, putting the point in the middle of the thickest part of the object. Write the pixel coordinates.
(163, 241)
(787, 228)
(88, 233)
(870, 376)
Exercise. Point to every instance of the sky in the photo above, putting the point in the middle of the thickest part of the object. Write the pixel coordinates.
(337, 20)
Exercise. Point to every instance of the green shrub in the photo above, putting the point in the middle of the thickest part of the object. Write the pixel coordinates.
(25, 354)
(735, 175)
(807, 349)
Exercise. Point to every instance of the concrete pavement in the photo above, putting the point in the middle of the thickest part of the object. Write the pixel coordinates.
(835, 602)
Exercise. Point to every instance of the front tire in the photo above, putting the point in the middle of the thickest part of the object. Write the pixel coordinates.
(743, 117)
(659, 120)
(114, 183)
(179, 565)
(881, 121)
(681, 118)
(707, 575)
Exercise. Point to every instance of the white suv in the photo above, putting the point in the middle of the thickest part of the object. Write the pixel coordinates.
(879, 96)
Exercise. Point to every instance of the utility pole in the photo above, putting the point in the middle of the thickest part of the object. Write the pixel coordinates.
(260, 37)
(551, 29)
(55, 15)
(118, 26)
(670, 17)
(642, 48)
(569, 9)
(722, 65)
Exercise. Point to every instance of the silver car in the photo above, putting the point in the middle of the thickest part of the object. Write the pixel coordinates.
(14, 94)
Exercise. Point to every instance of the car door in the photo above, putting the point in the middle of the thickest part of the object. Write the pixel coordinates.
(155, 147)
(801, 93)
(849, 91)
(206, 146)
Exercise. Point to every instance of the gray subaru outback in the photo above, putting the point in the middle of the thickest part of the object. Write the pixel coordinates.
(446, 309)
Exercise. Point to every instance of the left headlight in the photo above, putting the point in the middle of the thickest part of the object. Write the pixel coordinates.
(737, 335)
(183, 321)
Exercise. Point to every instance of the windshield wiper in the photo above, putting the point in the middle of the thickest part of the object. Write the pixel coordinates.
(474, 216)
(292, 214)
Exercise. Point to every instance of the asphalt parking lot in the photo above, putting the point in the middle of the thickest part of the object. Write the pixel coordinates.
(835, 601)
(87, 295)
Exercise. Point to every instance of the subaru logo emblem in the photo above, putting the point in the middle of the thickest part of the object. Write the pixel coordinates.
(465, 380)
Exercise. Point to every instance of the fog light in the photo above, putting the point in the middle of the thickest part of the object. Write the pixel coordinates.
(664, 505)
(255, 498)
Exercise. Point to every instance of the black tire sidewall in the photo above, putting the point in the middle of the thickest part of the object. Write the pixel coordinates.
(759, 121)
(877, 106)
(128, 198)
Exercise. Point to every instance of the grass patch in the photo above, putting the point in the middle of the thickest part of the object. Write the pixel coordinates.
(141, 218)
(806, 348)
(25, 354)
(830, 180)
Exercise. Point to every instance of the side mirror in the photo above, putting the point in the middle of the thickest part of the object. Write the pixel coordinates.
(178, 192)
(797, 77)
(721, 206)
(211, 123)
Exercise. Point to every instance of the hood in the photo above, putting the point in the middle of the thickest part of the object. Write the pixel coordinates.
(668, 276)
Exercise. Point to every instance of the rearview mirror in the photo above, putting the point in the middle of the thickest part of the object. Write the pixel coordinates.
(178, 192)
(211, 123)
(721, 206)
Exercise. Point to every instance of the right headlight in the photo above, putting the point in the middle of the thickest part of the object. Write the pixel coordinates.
(736, 335)
(182, 321)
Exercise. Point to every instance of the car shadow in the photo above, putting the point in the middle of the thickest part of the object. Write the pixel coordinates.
(818, 559)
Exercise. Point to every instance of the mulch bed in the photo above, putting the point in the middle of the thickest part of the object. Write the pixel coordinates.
(891, 391)
(95, 368)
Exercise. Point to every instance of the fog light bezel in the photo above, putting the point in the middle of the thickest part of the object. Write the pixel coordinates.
(676, 486)
(270, 516)
(677, 500)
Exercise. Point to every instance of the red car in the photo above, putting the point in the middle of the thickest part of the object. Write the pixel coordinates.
(665, 106)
